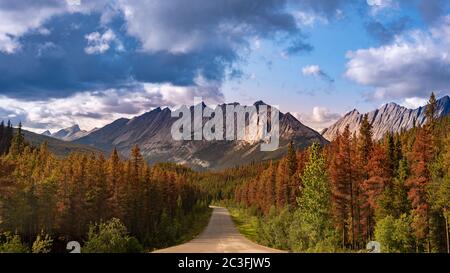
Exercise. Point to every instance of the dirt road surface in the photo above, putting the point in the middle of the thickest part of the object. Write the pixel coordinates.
(220, 236)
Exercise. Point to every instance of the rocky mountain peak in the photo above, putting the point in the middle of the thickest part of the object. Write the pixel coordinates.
(390, 117)
(152, 132)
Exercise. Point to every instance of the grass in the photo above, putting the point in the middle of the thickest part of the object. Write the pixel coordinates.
(198, 226)
(246, 224)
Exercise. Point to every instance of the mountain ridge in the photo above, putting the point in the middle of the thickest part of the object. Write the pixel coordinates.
(390, 117)
(151, 131)
(68, 134)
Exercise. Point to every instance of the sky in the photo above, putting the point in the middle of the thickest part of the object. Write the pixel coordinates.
(66, 62)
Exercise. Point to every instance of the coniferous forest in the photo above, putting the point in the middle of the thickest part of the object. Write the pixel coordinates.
(334, 198)
(355, 190)
(47, 201)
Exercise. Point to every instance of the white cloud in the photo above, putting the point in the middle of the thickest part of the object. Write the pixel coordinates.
(99, 43)
(309, 19)
(316, 71)
(19, 17)
(378, 7)
(92, 109)
(380, 3)
(415, 64)
(414, 102)
(256, 43)
(311, 70)
(320, 118)
(14, 23)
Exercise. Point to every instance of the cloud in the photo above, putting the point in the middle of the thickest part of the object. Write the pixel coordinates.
(414, 102)
(92, 109)
(309, 19)
(322, 114)
(432, 10)
(99, 43)
(13, 115)
(378, 5)
(320, 118)
(413, 65)
(386, 32)
(330, 9)
(50, 49)
(315, 70)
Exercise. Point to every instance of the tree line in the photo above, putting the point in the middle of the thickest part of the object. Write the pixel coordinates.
(355, 190)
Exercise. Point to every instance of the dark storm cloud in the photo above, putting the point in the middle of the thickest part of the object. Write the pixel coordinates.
(57, 64)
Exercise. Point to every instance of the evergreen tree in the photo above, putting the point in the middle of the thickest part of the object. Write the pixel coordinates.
(292, 159)
(2, 135)
(418, 182)
(342, 176)
(282, 184)
(365, 141)
(6, 138)
(431, 109)
(17, 143)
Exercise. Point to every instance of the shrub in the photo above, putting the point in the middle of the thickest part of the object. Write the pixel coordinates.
(395, 235)
(110, 237)
(42, 244)
(11, 243)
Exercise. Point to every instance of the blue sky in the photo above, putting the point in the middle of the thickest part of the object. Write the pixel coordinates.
(90, 62)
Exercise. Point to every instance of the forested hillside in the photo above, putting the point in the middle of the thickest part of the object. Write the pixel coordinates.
(109, 205)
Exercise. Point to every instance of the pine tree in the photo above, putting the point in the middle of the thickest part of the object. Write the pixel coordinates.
(342, 178)
(394, 200)
(17, 143)
(294, 179)
(115, 185)
(292, 159)
(418, 182)
(282, 184)
(2, 135)
(363, 212)
(391, 160)
(431, 109)
(375, 184)
(365, 141)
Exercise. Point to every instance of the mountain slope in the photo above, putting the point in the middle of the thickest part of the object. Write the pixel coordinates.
(390, 117)
(152, 132)
(58, 147)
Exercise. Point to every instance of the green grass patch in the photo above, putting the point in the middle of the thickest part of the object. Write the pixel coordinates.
(246, 224)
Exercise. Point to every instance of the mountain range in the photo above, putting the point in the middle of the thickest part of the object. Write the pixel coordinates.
(152, 132)
(390, 117)
(68, 134)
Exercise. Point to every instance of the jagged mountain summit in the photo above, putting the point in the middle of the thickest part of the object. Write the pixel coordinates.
(68, 134)
(152, 132)
(390, 117)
